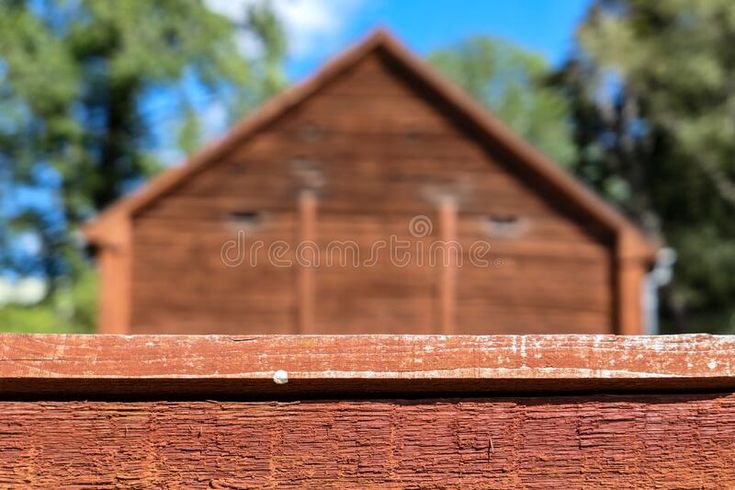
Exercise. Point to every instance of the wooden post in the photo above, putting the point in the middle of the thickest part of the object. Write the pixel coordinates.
(306, 279)
(630, 277)
(115, 269)
(448, 266)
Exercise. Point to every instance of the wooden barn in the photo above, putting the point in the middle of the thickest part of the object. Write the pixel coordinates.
(375, 148)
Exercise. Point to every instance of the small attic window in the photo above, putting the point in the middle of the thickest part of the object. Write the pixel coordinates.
(504, 226)
(246, 219)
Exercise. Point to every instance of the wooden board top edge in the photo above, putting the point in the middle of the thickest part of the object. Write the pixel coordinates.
(324, 364)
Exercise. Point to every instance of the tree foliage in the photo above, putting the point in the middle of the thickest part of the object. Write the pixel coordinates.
(653, 102)
(86, 89)
(510, 81)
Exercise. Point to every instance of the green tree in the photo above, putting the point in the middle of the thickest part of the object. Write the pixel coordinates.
(653, 102)
(80, 82)
(510, 81)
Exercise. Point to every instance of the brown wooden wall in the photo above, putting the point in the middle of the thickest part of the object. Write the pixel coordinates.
(377, 149)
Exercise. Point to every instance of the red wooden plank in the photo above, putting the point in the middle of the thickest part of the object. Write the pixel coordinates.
(43, 365)
(622, 442)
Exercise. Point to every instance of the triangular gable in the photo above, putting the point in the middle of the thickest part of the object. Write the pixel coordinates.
(567, 187)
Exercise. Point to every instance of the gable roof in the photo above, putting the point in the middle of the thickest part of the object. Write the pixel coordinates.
(489, 127)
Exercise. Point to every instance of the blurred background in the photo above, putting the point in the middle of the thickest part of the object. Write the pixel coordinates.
(636, 98)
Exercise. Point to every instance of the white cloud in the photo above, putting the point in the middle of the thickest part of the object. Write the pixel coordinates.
(26, 291)
(312, 26)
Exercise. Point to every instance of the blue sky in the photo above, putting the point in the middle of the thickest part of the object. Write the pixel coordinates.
(543, 26)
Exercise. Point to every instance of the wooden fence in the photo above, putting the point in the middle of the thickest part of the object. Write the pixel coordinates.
(367, 412)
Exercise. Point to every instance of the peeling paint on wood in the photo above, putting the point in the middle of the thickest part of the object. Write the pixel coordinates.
(379, 363)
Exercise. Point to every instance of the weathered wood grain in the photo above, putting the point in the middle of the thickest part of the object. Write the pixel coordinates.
(675, 441)
(367, 412)
(359, 365)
